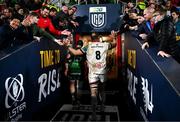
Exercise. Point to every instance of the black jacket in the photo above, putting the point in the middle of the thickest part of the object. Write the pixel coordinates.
(23, 35)
(6, 36)
(164, 33)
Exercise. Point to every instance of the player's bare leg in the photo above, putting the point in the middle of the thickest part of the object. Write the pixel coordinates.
(102, 96)
(93, 88)
(72, 91)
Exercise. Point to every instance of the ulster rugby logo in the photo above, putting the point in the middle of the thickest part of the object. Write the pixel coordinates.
(14, 89)
(97, 16)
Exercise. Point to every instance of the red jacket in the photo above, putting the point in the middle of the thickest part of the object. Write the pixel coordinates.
(46, 23)
(175, 2)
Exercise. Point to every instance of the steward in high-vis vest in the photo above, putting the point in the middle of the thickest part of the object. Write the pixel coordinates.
(140, 7)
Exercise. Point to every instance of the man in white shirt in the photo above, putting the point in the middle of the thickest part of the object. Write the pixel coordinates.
(96, 53)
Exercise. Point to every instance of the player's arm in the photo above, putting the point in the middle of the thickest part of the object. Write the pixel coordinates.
(113, 44)
(75, 51)
(67, 42)
(66, 69)
(113, 36)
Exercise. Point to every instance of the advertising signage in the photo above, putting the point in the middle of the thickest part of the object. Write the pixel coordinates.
(31, 80)
(98, 18)
(153, 82)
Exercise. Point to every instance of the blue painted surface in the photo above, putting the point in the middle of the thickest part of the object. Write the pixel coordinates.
(29, 91)
(162, 79)
(112, 18)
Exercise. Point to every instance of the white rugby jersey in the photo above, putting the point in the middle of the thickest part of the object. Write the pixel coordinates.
(96, 53)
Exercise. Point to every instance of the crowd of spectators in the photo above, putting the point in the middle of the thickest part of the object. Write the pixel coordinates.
(155, 24)
(36, 19)
(152, 21)
(21, 23)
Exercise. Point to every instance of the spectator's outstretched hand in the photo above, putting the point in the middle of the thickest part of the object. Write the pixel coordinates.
(143, 36)
(75, 23)
(66, 32)
(59, 41)
(37, 38)
(114, 34)
(67, 42)
(145, 45)
(163, 54)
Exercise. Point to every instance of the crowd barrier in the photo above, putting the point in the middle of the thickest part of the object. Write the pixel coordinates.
(31, 81)
(153, 83)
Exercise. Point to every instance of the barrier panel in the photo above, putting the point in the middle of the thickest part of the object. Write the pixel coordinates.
(31, 81)
(153, 82)
(98, 18)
